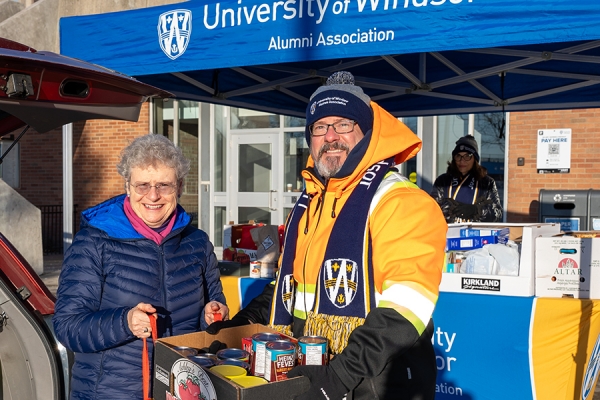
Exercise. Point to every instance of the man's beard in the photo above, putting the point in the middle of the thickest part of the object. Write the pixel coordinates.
(328, 166)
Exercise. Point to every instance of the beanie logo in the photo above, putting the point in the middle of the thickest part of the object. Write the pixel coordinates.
(313, 107)
(332, 100)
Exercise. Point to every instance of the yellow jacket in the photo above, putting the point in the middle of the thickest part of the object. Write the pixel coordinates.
(407, 227)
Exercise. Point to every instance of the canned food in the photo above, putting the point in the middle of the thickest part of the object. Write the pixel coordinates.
(229, 371)
(233, 361)
(203, 361)
(186, 351)
(249, 381)
(257, 356)
(312, 350)
(267, 270)
(237, 354)
(280, 358)
(255, 267)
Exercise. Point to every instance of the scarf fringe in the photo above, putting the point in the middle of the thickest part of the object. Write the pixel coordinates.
(336, 329)
(285, 329)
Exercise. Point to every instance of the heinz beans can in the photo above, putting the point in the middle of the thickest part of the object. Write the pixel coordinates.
(280, 358)
(257, 356)
(312, 350)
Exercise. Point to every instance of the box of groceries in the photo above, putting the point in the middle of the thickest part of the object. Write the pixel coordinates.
(241, 363)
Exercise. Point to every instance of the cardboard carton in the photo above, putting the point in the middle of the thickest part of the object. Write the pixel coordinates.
(172, 370)
(522, 285)
(568, 266)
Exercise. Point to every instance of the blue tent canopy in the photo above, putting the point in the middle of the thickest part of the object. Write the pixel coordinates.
(414, 57)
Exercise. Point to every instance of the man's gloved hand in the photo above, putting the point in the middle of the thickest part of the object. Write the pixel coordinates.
(324, 383)
(466, 211)
(215, 327)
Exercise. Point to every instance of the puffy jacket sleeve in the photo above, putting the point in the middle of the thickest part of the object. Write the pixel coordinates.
(212, 279)
(439, 192)
(489, 206)
(409, 234)
(79, 324)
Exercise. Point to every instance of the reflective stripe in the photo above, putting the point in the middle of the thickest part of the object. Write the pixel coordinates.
(409, 298)
(393, 178)
(301, 301)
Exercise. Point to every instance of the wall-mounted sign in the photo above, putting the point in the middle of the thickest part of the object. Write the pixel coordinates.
(554, 151)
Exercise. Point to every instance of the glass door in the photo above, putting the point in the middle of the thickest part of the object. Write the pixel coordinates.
(256, 178)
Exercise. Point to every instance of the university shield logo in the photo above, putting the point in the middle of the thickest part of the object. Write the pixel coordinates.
(174, 32)
(341, 281)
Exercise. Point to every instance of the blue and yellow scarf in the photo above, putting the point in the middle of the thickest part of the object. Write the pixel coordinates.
(345, 288)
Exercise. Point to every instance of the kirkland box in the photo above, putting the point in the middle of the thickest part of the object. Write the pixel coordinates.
(568, 266)
(503, 285)
(172, 370)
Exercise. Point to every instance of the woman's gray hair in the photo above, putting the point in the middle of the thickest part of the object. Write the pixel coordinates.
(151, 150)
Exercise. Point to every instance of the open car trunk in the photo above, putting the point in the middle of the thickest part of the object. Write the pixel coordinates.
(44, 90)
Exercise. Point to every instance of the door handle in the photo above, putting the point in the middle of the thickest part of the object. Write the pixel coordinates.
(273, 200)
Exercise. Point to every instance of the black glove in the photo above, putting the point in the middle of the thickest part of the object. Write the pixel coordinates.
(213, 348)
(215, 327)
(466, 211)
(324, 383)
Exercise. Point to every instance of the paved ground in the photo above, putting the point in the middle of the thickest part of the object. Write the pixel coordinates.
(53, 262)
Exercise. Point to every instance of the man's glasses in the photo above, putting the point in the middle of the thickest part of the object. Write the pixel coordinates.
(465, 157)
(162, 188)
(340, 127)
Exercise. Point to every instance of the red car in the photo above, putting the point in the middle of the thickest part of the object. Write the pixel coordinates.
(45, 90)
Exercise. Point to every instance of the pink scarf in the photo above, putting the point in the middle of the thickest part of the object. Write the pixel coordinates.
(140, 226)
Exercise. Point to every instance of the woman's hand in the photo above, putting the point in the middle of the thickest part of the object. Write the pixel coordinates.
(138, 320)
(214, 307)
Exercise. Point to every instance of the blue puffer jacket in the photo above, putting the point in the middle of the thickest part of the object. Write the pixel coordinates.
(108, 270)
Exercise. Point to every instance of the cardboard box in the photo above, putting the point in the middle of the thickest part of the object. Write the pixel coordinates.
(172, 368)
(522, 285)
(469, 243)
(568, 266)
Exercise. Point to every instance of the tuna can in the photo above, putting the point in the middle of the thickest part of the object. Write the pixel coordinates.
(255, 267)
(312, 350)
(203, 361)
(280, 358)
(257, 356)
(237, 354)
(186, 351)
(233, 361)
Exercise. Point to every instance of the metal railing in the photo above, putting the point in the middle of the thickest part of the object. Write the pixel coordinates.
(52, 228)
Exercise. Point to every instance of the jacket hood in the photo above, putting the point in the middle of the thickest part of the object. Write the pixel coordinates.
(388, 138)
(110, 217)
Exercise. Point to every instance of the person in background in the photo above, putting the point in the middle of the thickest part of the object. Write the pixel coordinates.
(136, 255)
(362, 258)
(466, 193)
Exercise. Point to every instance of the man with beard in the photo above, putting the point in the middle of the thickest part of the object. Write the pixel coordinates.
(363, 255)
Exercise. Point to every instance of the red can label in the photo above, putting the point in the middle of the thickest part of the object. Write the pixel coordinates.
(257, 356)
(280, 358)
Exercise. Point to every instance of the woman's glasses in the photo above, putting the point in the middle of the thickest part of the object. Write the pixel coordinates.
(162, 188)
(465, 157)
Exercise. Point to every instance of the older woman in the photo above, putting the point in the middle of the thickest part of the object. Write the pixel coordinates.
(135, 254)
(466, 193)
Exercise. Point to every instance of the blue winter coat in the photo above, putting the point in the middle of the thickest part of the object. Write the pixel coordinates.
(107, 271)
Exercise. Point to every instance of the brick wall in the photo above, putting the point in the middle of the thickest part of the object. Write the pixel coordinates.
(97, 145)
(524, 183)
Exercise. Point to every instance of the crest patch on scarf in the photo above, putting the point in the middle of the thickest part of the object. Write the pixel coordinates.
(287, 293)
(341, 281)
